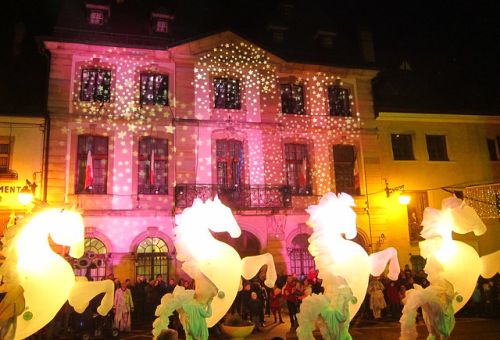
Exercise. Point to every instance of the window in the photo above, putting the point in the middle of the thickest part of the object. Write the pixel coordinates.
(95, 85)
(154, 89)
(492, 149)
(297, 169)
(91, 179)
(230, 163)
(96, 17)
(153, 166)
(227, 93)
(4, 154)
(292, 99)
(152, 258)
(339, 102)
(415, 211)
(346, 169)
(93, 263)
(402, 147)
(161, 26)
(436, 147)
(301, 261)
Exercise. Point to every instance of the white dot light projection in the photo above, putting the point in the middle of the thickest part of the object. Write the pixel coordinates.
(125, 65)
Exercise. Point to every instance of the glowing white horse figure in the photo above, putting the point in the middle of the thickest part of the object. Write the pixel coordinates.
(44, 278)
(460, 262)
(213, 262)
(341, 262)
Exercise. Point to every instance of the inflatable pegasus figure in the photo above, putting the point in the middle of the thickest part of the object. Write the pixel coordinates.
(451, 261)
(344, 266)
(215, 266)
(37, 280)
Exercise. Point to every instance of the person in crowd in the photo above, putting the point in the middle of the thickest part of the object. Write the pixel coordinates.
(281, 280)
(123, 306)
(151, 299)
(394, 300)
(275, 303)
(299, 292)
(307, 288)
(291, 300)
(170, 286)
(255, 308)
(245, 299)
(139, 298)
(377, 301)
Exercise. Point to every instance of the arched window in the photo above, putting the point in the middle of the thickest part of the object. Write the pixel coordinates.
(93, 263)
(152, 258)
(301, 261)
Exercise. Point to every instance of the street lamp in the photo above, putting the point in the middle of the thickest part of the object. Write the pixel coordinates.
(25, 196)
(403, 198)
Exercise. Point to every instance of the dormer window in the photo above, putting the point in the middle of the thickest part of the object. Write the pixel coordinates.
(160, 23)
(97, 15)
(278, 33)
(325, 38)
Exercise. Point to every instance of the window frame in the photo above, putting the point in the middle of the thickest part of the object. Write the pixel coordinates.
(295, 187)
(6, 155)
(157, 99)
(395, 157)
(152, 259)
(293, 99)
(228, 104)
(95, 95)
(81, 164)
(437, 152)
(347, 105)
(157, 189)
(339, 165)
(227, 163)
(493, 146)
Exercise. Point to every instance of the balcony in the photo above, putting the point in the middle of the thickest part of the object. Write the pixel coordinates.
(253, 197)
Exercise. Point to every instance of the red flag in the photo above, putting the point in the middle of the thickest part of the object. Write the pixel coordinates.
(152, 176)
(89, 172)
(303, 173)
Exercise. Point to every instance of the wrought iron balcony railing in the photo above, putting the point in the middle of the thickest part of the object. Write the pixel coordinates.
(243, 198)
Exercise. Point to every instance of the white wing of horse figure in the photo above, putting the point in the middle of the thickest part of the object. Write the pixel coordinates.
(41, 279)
(213, 262)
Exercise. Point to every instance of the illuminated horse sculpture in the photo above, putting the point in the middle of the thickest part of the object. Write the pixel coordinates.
(449, 263)
(37, 280)
(214, 265)
(343, 265)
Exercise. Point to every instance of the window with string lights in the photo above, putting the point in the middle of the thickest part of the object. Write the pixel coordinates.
(95, 85)
(339, 102)
(227, 93)
(154, 89)
(292, 99)
(297, 169)
(153, 166)
(91, 165)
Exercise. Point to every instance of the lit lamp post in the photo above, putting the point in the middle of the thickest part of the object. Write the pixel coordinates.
(25, 196)
(404, 199)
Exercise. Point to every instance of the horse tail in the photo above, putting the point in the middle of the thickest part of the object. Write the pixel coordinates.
(169, 303)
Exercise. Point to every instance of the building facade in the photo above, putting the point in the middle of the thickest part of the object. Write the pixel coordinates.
(140, 127)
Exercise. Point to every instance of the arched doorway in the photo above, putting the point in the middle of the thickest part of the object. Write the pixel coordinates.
(301, 261)
(246, 245)
(93, 262)
(152, 258)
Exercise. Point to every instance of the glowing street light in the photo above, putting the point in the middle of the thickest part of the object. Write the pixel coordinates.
(404, 199)
(25, 196)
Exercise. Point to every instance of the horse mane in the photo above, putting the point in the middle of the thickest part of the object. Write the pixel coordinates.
(326, 203)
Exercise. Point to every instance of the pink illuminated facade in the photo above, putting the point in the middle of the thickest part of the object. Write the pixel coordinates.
(223, 117)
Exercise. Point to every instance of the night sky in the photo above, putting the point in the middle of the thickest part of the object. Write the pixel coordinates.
(452, 47)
